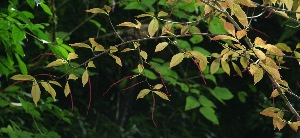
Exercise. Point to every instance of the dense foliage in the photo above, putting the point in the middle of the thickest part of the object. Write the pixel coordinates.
(146, 68)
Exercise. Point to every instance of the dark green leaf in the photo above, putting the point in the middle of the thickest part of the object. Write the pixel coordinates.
(242, 96)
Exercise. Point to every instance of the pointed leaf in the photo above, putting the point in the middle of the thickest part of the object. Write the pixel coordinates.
(237, 69)
(153, 27)
(270, 111)
(258, 75)
(215, 65)
(191, 103)
(278, 122)
(143, 93)
(49, 89)
(162, 14)
(113, 49)
(72, 56)
(118, 60)
(204, 101)
(294, 125)
(57, 62)
(96, 10)
(85, 77)
(209, 114)
(162, 95)
(244, 62)
(128, 24)
(240, 14)
(229, 27)
(140, 68)
(176, 59)
(225, 67)
(241, 34)
(35, 92)
(72, 77)
(55, 83)
(107, 8)
(22, 77)
(91, 64)
(220, 37)
(272, 71)
(97, 46)
(80, 45)
(144, 55)
(157, 86)
(161, 46)
(201, 58)
(283, 47)
(67, 89)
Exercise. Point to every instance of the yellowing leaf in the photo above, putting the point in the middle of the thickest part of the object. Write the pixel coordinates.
(248, 3)
(153, 27)
(57, 62)
(201, 59)
(297, 55)
(219, 37)
(274, 49)
(67, 89)
(270, 111)
(95, 45)
(278, 122)
(229, 27)
(270, 62)
(140, 68)
(275, 93)
(162, 14)
(96, 10)
(240, 14)
(22, 77)
(49, 89)
(215, 65)
(144, 55)
(143, 93)
(283, 14)
(118, 60)
(35, 92)
(85, 77)
(294, 125)
(258, 75)
(72, 56)
(80, 45)
(161, 46)
(113, 49)
(237, 69)
(55, 83)
(176, 59)
(162, 95)
(261, 55)
(157, 86)
(283, 47)
(91, 64)
(72, 77)
(127, 49)
(130, 24)
(225, 67)
(272, 71)
(167, 29)
(298, 14)
(143, 15)
(136, 44)
(259, 42)
(244, 62)
(253, 68)
(241, 34)
(185, 29)
(107, 8)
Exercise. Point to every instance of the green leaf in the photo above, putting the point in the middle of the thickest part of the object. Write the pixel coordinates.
(209, 114)
(206, 102)
(191, 103)
(183, 44)
(46, 9)
(148, 73)
(3, 70)
(31, 3)
(222, 93)
(17, 34)
(216, 26)
(22, 65)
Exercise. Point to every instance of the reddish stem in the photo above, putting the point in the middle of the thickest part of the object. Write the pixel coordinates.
(90, 86)
(117, 83)
(133, 85)
(160, 76)
(197, 64)
(153, 107)
(72, 102)
(14, 84)
(269, 13)
(44, 54)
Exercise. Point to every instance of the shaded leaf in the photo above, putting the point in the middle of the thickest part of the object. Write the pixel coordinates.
(206, 102)
(143, 93)
(22, 77)
(237, 69)
(162, 95)
(85, 77)
(153, 27)
(176, 59)
(185, 29)
(161, 46)
(107, 8)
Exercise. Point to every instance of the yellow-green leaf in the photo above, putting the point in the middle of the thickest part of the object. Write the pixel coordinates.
(215, 65)
(274, 93)
(278, 122)
(80, 45)
(127, 49)
(107, 8)
(162, 95)
(22, 77)
(283, 47)
(49, 89)
(72, 77)
(258, 75)
(57, 62)
(136, 44)
(237, 69)
(253, 68)
(244, 62)
(85, 77)
(144, 55)
(72, 56)
(96, 10)
(157, 86)
(153, 27)
(240, 14)
(272, 71)
(140, 68)
(95, 45)
(185, 29)
(143, 93)
(35, 92)
(55, 83)
(67, 89)
(161, 46)
(297, 55)
(162, 14)
(220, 37)
(113, 49)
(270, 111)
(294, 125)
(225, 67)
(176, 59)
(201, 59)
(91, 64)
(118, 60)
(128, 24)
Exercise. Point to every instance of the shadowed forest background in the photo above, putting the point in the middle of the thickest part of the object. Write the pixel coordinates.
(37, 29)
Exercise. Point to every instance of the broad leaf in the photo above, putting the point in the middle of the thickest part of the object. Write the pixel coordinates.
(209, 114)
(258, 75)
(191, 103)
(157, 86)
(72, 56)
(161, 46)
(35, 92)
(57, 62)
(144, 55)
(237, 69)
(153, 27)
(176, 59)
(225, 67)
(143, 93)
(215, 65)
(270, 111)
(72, 77)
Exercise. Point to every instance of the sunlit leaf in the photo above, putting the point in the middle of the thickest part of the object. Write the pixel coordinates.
(57, 62)
(215, 65)
(274, 93)
(144, 55)
(272, 71)
(220, 37)
(278, 122)
(22, 77)
(237, 69)
(258, 75)
(270, 111)
(67, 89)
(253, 68)
(162, 95)
(118, 60)
(201, 59)
(35, 92)
(97, 46)
(49, 89)
(240, 14)
(91, 64)
(130, 24)
(157, 86)
(72, 56)
(96, 10)
(161, 46)
(153, 27)
(162, 14)
(107, 8)
(294, 125)
(283, 47)
(229, 27)
(136, 44)
(55, 83)
(297, 55)
(72, 77)
(244, 62)
(113, 49)
(140, 68)
(176, 59)
(85, 77)
(127, 49)
(167, 29)
(225, 67)
(143, 93)
(80, 45)
(240, 34)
